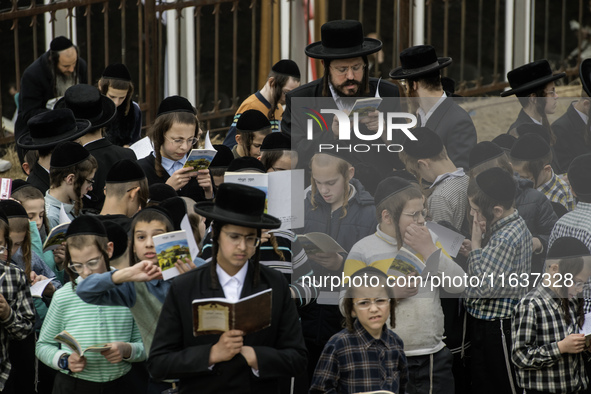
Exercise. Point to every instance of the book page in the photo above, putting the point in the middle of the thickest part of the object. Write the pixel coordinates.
(142, 148)
(56, 236)
(5, 188)
(171, 247)
(252, 179)
(365, 106)
(405, 263)
(279, 199)
(38, 288)
(65, 338)
(320, 243)
(449, 239)
(96, 349)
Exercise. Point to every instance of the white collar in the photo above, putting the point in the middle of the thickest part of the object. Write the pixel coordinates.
(585, 117)
(224, 278)
(425, 117)
(456, 174)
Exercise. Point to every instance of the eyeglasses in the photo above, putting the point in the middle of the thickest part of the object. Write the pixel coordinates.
(417, 214)
(366, 304)
(90, 264)
(90, 181)
(181, 141)
(3, 249)
(133, 188)
(345, 69)
(236, 239)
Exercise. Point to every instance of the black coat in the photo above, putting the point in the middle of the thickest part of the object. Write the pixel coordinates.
(370, 168)
(456, 129)
(106, 154)
(37, 87)
(191, 189)
(177, 354)
(570, 142)
(39, 178)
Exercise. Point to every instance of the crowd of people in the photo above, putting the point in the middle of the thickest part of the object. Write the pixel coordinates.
(521, 203)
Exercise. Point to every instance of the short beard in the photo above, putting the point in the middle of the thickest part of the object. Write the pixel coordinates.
(341, 93)
(63, 82)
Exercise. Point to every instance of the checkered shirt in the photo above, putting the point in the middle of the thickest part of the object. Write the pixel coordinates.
(558, 191)
(538, 326)
(508, 252)
(354, 362)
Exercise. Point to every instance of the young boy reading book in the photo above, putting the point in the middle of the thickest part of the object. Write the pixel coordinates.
(251, 129)
(547, 345)
(366, 355)
(233, 362)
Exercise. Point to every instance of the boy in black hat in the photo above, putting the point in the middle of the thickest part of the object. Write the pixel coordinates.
(126, 192)
(420, 68)
(276, 153)
(501, 244)
(88, 103)
(253, 363)
(531, 157)
(251, 130)
(46, 131)
(427, 158)
(283, 78)
(220, 163)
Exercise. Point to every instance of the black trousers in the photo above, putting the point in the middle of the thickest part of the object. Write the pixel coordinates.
(66, 384)
(490, 366)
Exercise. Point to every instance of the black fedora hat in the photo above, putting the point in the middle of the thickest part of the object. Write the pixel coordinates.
(240, 205)
(87, 102)
(585, 75)
(342, 39)
(50, 128)
(418, 61)
(530, 76)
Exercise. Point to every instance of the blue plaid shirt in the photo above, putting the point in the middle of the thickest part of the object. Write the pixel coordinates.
(506, 255)
(558, 191)
(354, 362)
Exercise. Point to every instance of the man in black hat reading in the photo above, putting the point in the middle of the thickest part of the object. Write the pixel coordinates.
(420, 69)
(283, 78)
(49, 77)
(343, 50)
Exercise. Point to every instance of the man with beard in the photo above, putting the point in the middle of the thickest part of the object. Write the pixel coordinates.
(47, 78)
(344, 53)
(420, 70)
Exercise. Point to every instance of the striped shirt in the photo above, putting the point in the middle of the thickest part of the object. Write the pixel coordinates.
(354, 362)
(576, 224)
(507, 254)
(558, 191)
(538, 326)
(449, 200)
(90, 325)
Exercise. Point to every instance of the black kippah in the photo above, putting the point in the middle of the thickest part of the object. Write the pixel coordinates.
(175, 104)
(223, 158)
(161, 191)
(390, 186)
(18, 184)
(567, 247)
(86, 225)
(504, 141)
(405, 175)
(252, 121)
(3, 216)
(246, 163)
(68, 154)
(125, 170)
(530, 147)
(287, 67)
(579, 175)
(176, 208)
(497, 183)
(60, 43)
(276, 141)
(428, 144)
(13, 209)
(117, 71)
(117, 235)
(483, 152)
(532, 128)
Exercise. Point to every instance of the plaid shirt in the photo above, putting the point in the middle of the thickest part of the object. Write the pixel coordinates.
(19, 324)
(538, 326)
(354, 362)
(576, 224)
(558, 191)
(507, 255)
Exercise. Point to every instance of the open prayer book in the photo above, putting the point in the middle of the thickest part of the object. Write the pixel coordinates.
(67, 339)
(56, 236)
(407, 262)
(200, 159)
(218, 315)
(365, 106)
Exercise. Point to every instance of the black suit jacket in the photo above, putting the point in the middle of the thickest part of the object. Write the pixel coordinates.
(570, 141)
(456, 129)
(370, 168)
(177, 354)
(106, 154)
(39, 178)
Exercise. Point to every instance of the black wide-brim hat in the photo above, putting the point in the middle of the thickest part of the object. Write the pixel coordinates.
(418, 61)
(342, 39)
(530, 76)
(87, 102)
(585, 75)
(51, 128)
(240, 205)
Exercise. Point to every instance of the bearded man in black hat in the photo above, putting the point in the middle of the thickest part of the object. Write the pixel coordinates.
(49, 77)
(420, 69)
(343, 51)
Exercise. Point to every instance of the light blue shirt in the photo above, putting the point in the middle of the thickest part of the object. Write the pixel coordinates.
(171, 166)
